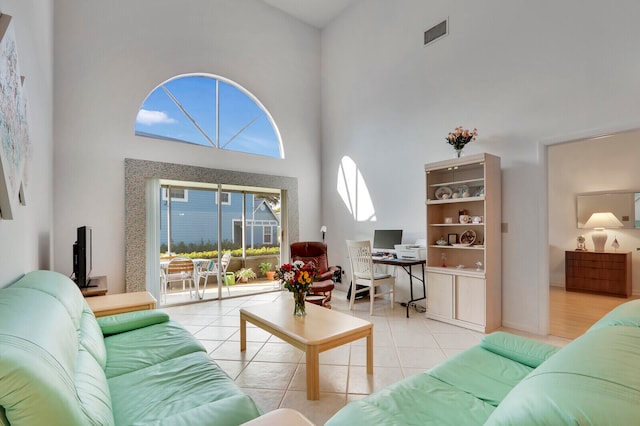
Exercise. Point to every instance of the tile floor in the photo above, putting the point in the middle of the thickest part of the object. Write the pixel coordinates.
(273, 372)
(177, 296)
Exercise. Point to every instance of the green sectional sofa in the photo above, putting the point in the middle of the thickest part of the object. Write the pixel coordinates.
(59, 365)
(512, 380)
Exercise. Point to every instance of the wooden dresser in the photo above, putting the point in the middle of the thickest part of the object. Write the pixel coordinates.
(601, 273)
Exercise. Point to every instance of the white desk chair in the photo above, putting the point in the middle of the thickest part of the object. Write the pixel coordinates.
(212, 268)
(364, 274)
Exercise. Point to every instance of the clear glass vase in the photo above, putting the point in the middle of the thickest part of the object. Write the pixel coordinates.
(459, 153)
(299, 308)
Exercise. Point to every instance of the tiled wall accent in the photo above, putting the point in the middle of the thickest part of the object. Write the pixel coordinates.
(135, 176)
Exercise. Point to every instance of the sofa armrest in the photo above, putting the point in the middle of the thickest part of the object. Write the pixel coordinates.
(328, 275)
(120, 323)
(517, 348)
(627, 314)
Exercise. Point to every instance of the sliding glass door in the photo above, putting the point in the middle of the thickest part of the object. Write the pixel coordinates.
(202, 222)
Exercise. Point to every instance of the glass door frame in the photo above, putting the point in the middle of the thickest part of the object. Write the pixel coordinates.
(139, 264)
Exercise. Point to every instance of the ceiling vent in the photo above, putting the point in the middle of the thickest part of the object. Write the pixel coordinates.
(436, 32)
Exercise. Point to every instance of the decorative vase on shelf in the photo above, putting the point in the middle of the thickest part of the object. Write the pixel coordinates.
(299, 309)
(459, 138)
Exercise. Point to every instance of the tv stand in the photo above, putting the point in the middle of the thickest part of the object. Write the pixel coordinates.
(97, 287)
(89, 284)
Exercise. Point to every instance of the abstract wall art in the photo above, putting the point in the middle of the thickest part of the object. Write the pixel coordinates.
(14, 130)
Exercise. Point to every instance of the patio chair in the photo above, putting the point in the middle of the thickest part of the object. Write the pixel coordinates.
(211, 268)
(363, 273)
(180, 269)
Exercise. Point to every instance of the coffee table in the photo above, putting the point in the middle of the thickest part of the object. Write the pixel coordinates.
(320, 330)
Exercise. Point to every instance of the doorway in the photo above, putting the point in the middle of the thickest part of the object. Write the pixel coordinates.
(589, 165)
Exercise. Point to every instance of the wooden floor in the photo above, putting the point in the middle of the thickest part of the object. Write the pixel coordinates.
(572, 313)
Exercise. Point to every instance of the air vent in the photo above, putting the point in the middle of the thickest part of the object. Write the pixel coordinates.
(437, 31)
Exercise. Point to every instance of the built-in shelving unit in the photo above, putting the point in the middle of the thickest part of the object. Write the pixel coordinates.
(464, 282)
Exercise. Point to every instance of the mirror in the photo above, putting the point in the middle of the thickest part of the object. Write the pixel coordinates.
(624, 205)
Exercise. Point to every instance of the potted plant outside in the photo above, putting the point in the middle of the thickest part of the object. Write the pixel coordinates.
(266, 268)
(244, 274)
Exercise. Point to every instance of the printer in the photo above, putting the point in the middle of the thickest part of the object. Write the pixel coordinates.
(411, 251)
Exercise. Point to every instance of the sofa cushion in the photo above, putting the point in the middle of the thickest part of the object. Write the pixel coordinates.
(114, 324)
(91, 338)
(481, 373)
(57, 286)
(40, 361)
(143, 347)
(93, 393)
(520, 349)
(592, 380)
(192, 385)
(416, 400)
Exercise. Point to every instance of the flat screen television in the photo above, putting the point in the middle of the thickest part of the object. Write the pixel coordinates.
(82, 257)
(385, 240)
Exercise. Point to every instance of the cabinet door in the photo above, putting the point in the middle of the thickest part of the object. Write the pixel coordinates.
(470, 299)
(440, 294)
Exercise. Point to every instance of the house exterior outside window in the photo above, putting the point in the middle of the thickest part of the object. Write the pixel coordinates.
(195, 221)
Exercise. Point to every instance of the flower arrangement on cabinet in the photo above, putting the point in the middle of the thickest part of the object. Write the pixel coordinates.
(460, 137)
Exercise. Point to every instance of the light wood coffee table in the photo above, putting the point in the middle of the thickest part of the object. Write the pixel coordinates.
(320, 330)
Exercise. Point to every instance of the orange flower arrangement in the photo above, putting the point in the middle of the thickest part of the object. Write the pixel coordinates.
(460, 137)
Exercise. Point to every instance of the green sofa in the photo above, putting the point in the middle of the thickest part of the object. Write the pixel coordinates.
(59, 365)
(512, 380)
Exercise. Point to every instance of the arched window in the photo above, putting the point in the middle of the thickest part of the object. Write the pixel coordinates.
(210, 111)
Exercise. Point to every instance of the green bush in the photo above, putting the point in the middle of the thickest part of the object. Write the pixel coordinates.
(181, 247)
(210, 254)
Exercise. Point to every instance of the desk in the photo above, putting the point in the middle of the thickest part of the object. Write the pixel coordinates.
(406, 264)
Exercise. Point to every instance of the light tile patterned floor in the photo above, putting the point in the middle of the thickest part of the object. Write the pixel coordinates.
(273, 372)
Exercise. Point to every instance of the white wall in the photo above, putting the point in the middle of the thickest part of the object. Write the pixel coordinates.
(26, 241)
(110, 55)
(521, 72)
(596, 165)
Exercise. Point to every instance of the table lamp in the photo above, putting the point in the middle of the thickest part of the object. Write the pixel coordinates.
(600, 221)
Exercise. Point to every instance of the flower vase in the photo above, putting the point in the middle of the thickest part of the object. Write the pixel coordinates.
(459, 152)
(299, 308)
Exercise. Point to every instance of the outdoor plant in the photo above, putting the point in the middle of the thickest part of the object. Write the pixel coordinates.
(245, 274)
(266, 267)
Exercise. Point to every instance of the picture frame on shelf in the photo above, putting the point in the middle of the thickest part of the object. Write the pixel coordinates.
(452, 239)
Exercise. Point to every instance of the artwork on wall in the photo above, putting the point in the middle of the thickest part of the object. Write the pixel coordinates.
(14, 131)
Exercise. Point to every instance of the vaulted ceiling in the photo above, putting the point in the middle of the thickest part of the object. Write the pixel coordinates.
(313, 12)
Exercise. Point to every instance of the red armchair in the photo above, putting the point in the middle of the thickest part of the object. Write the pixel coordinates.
(316, 252)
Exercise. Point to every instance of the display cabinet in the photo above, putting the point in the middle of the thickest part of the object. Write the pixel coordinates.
(463, 203)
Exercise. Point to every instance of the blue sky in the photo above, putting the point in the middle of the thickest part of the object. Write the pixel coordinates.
(244, 126)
